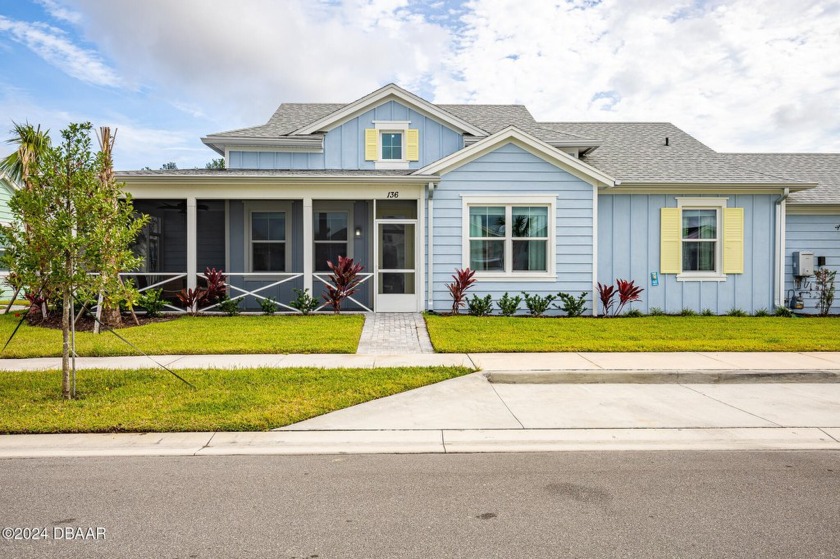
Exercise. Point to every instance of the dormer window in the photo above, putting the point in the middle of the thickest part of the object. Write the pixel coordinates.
(392, 144)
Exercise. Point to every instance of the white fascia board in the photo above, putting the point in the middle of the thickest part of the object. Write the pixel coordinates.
(512, 135)
(238, 180)
(811, 209)
(310, 145)
(648, 187)
(382, 95)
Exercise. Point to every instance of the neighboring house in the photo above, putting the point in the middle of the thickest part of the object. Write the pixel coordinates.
(414, 190)
(7, 188)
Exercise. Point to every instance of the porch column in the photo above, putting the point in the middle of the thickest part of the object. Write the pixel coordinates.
(192, 243)
(308, 243)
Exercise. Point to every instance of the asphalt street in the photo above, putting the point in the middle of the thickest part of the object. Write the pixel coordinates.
(584, 504)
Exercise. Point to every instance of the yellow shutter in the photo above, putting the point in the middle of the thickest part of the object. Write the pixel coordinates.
(371, 144)
(733, 240)
(412, 144)
(670, 241)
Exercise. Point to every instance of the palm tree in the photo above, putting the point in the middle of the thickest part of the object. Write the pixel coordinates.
(22, 164)
(32, 145)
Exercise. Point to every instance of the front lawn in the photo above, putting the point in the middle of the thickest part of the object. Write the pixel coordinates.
(462, 334)
(197, 335)
(224, 400)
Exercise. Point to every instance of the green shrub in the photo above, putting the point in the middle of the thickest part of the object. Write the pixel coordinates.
(734, 311)
(707, 312)
(304, 302)
(152, 302)
(761, 313)
(783, 312)
(633, 313)
(509, 305)
(656, 311)
(480, 306)
(537, 305)
(268, 305)
(572, 306)
(229, 306)
(688, 312)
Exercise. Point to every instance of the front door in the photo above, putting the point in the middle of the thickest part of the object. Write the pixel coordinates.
(396, 270)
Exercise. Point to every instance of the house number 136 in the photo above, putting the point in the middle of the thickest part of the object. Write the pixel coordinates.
(393, 195)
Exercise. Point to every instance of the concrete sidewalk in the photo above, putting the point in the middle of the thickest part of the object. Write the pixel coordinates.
(508, 362)
(472, 414)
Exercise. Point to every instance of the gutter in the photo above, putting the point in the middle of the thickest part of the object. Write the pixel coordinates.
(779, 253)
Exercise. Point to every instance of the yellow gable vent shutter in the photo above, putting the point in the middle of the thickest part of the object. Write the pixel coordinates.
(733, 240)
(412, 144)
(670, 241)
(371, 144)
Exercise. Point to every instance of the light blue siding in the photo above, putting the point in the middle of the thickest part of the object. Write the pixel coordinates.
(628, 246)
(817, 234)
(344, 145)
(510, 171)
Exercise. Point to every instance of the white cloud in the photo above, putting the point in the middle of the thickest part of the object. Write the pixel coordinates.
(60, 12)
(740, 75)
(239, 60)
(53, 45)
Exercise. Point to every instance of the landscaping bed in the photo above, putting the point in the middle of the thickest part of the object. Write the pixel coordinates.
(462, 334)
(196, 335)
(224, 400)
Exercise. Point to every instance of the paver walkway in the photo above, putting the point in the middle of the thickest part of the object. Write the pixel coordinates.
(390, 333)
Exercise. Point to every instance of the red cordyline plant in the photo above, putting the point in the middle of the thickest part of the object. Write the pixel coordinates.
(626, 290)
(345, 280)
(458, 289)
(627, 293)
(216, 285)
(606, 294)
(191, 298)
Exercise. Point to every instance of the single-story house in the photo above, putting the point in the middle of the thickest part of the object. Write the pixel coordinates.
(415, 190)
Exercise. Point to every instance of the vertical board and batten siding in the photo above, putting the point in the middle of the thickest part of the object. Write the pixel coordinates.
(344, 145)
(815, 233)
(510, 171)
(629, 246)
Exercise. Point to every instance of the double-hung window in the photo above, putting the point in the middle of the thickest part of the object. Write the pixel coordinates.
(331, 237)
(504, 239)
(700, 240)
(268, 241)
(392, 146)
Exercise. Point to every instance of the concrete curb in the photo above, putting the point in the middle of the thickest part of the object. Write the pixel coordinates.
(415, 442)
(662, 377)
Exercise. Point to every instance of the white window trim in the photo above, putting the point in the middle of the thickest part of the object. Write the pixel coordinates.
(334, 207)
(385, 126)
(520, 201)
(717, 204)
(261, 207)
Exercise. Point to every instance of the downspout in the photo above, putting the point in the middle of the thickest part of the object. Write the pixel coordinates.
(430, 253)
(779, 279)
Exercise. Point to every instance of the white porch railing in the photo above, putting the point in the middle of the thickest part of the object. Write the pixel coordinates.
(242, 293)
(154, 278)
(237, 292)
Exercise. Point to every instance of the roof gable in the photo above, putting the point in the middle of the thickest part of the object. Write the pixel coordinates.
(390, 92)
(512, 135)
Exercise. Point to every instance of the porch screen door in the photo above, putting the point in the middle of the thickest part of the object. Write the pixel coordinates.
(396, 259)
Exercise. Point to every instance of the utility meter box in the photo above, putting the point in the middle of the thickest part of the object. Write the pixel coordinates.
(803, 264)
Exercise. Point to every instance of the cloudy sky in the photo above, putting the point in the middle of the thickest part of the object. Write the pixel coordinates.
(740, 75)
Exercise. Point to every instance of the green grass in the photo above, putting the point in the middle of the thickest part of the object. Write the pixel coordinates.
(225, 400)
(197, 335)
(456, 334)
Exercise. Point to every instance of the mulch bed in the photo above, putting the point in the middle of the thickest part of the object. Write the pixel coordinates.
(85, 323)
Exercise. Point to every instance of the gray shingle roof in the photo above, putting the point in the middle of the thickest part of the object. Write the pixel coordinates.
(822, 168)
(635, 152)
(286, 119)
